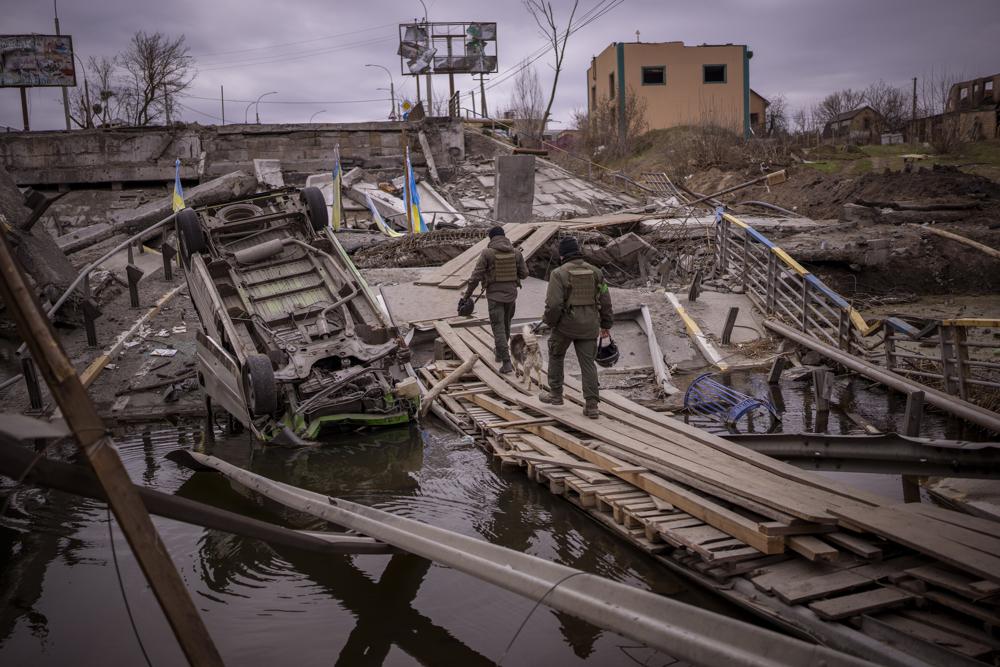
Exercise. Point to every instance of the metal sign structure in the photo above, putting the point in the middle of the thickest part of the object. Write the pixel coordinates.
(447, 48)
(36, 60)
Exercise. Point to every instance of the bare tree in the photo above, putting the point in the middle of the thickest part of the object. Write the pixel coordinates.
(776, 116)
(107, 97)
(890, 102)
(527, 105)
(158, 68)
(601, 133)
(934, 89)
(835, 104)
(545, 17)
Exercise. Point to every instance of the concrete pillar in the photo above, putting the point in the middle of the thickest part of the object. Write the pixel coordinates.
(514, 188)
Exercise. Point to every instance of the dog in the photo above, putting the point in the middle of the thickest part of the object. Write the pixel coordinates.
(525, 357)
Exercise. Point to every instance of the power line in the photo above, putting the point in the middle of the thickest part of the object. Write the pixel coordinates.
(216, 99)
(586, 19)
(262, 60)
(298, 43)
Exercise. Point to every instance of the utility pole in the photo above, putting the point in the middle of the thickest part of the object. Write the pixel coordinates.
(166, 103)
(24, 108)
(914, 111)
(482, 96)
(222, 98)
(65, 94)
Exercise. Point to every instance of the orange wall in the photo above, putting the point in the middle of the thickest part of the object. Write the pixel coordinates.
(685, 99)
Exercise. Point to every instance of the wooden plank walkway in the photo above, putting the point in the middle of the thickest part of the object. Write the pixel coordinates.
(710, 508)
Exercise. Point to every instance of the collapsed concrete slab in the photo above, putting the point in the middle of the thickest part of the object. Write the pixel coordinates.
(514, 185)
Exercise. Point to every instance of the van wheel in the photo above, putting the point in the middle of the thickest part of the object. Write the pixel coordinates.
(192, 236)
(316, 205)
(259, 386)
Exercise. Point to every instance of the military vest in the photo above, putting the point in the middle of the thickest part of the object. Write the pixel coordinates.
(504, 267)
(582, 288)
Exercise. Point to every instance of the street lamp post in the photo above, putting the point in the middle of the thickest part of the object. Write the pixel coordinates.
(430, 94)
(257, 104)
(86, 94)
(392, 91)
(316, 114)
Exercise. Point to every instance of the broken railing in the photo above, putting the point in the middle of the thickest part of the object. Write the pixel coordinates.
(955, 355)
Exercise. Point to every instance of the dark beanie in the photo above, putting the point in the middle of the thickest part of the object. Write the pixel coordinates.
(496, 231)
(568, 247)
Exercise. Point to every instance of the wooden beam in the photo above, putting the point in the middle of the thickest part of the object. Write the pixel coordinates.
(82, 418)
(433, 392)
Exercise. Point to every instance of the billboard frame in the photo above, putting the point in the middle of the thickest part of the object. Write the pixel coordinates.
(68, 83)
(442, 35)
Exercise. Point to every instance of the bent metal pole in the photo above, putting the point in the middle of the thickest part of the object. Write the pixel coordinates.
(685, 632)
(956, 406)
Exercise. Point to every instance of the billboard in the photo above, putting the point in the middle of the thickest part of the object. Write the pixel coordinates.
(36, 60)
(448, 48)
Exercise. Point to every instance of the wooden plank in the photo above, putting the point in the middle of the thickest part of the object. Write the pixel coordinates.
(726, 473)
(702, 508)
(928, 536)
(614, 404)
(855, 544)
(927, 643)
(960, 519)
(956, 603)
(955, 582)
(548, 449)
(460, 277)
(803, 590)
(952, 625)
(811, 547)
(572, 465)
(860, 603)
(787, 571)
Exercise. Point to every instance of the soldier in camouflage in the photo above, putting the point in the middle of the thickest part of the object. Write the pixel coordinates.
(578, 310)
(500, 269)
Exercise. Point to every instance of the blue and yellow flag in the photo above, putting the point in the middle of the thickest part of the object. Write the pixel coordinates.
(377, 219)
(417, 225)
(337, 208)
(177, 201)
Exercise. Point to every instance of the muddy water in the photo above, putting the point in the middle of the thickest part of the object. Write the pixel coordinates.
(266, 606)
(61, 602)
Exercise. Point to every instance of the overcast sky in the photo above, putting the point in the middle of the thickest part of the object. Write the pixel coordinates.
(314, 52)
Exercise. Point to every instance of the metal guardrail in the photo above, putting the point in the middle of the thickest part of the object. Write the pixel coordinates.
(954, 355)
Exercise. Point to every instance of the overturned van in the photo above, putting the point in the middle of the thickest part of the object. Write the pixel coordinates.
(292, 341)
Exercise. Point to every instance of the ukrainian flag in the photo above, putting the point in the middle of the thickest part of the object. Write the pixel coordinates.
(177, 201)
(416, 220)
(337, 208)
(377, 218)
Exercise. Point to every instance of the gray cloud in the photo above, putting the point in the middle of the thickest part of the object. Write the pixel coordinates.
(316, 51)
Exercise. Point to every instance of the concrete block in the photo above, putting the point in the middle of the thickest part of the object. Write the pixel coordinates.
(515, 187)
(863, 216)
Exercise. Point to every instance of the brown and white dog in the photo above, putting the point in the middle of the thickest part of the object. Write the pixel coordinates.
(524, 355)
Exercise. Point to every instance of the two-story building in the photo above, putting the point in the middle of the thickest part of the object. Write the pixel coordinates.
(680, 85)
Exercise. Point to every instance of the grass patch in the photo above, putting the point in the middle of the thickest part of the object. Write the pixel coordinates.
(826, 167)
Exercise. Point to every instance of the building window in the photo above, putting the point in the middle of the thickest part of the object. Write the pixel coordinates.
(867, 123)
(593, 97)
(714, 73)
(654, 76)
(754, 119)
(611, 85)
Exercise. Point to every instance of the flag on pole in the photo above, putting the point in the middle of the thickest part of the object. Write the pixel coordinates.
(336, 212)
(377, 218)
(177, 201)
(416, 220)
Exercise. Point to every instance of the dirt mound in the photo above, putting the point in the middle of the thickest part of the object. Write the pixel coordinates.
(821, 196)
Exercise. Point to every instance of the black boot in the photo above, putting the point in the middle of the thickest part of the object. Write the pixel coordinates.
(506, 368)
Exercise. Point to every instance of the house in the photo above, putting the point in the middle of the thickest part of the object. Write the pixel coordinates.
(758, 113)
(857, 126)
(678, 84)
(972, 113)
